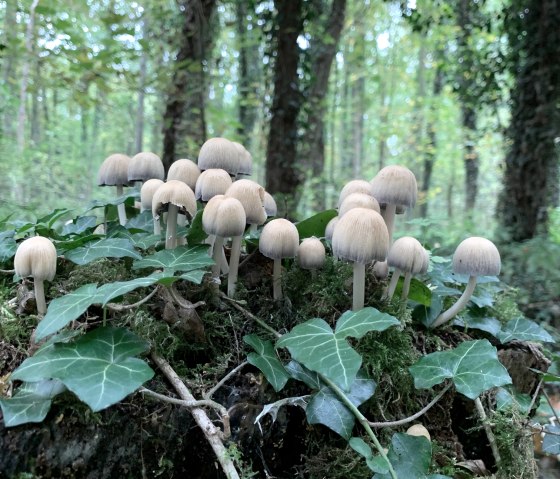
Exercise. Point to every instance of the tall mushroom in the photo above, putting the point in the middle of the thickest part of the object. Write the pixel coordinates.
(269, 204)
(144, 166)
(360, 236)
(147, 193)
(36, 257)
(474, 256)
(114, 172)
(212, 182)
(251, 195)
(245, 160)
(355, 186)
(279, 239)
(407, 256)
(358, 200)
(184, 170)
(219, 153)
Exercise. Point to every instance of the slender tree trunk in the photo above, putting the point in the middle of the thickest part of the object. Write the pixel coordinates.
(139, 131)
(35, 113)
(383, 120)
(346, 120)
(9, 57)
(358, 101)
(283, 176)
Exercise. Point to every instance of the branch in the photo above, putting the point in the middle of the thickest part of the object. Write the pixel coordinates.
(124, 307)
(551, 405)
(182, 301)
(7, 271)
(210, 393)
(488, 429)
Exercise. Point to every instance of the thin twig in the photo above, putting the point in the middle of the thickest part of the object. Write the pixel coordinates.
(247, 258)
(213, 434)
(551, 405)
(7, 271)
(182, 301)
(534, 398)
(188, 404)
(125, 307)
(210, 393)
(406, 420)
(488, 429)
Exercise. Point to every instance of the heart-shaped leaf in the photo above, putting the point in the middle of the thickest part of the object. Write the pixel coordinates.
(196, 233)
(315, 225)
(143, 221)
(109, 291)
(301, 373)
(266, 359)
(551, 441)
(523, 330)
(8, 245)
(79, 225)
(182, 258)
(103, 248)
(473, 367)
(99, 367)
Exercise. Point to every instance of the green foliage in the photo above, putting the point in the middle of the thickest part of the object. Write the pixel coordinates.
(266, 359)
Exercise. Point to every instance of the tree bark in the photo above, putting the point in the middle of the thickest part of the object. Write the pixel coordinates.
(184, 128)
(139, 130)
(358, 100)
(283, 175)
(9, 57)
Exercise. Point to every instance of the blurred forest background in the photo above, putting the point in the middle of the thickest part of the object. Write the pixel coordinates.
(465, 93)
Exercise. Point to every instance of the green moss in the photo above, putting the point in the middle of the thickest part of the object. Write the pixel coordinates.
(102, 271)
(505, 305)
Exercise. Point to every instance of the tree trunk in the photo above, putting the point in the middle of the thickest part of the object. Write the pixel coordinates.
(139, 130)
(358, 100)
(184, 124)
(9, 56)
(35, 113)
(531, 173)
(283, 176)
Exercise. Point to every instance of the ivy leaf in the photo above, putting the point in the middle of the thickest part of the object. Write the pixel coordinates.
(473, 367)
(109, 291)
(99, 367)
(67, 245)
(145, 240)
(301, 373)
(65, 309)
(103, 248)
(428, 314)
(116, 201)
(551, 442)
(523, 330)
(506, 398)
(476, 318)
(266, 359)
(315, 225)
(356, 324)
(182, 258)
(194, 276)
(375, 463)
(8, 245)
(143, 221)
(195, 233)
(410, 457)
(418, 292)
(79, 225)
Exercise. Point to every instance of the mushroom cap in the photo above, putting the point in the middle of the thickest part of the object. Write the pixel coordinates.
(477, 256)
(408, 255)
(177, 193)
(395, 185)
(114, 170)
(212, 182)
(358, 200)
(361, 236)
(219, 153)
(279, 239)
(355, 186)
(418, 430)
(269, 204)
(184, 170)
(224, 217)
(329, 230)
(209, 214)
(311, 253)
(147, 192)
(36, 256)
(251, 195)
(144, 166)
(245, 160)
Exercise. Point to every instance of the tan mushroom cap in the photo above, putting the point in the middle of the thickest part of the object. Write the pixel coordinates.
(219, 153)
(114, 170)
(477, 256)
(184, 170)
(355, 186)
(177, 193)
(251, 195)
(270, 204)
(279, 239)
(36, 256)
(224, 217)
(329, 230)
(209, 214)
(361, 236)
(144, 166)
(408, 255)
(147, 192)
(395, 185)
(311, 253)
(245, 160)
(212, 182)
(418, 430)
(358, 200)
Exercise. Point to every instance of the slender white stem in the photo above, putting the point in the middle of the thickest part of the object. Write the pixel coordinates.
(120, 207)
(223, 262)
(210, 241)
(218, 248)
(393, 284)
(253, 228)
(458, 306)
(277, 279)
(406, 285)
(359, 286)
(389, 217)
(171, 235)
(157, 226)
(233, 265)
(40, 296)
(181, 221)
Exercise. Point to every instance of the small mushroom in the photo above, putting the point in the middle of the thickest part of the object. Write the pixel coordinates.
(474, 256)
(245, 160)
(407, 256)
(36, 257)
(219, 153)
(311, 254)
(144, 166)
(279, 239)
(114, 172)
(212, 182)
(184, 170)
(251, 195)
(269, 204)
(358, 200)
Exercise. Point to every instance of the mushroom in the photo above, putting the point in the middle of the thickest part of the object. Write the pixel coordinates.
(407, 256)
(36, 256)
(279, 239)
(245, 160)
(114, 172)
(360, 236)
(184, 170)
(251, 195)
(355, 186)
(329, 230)
(144, 166)
(418, 430)
(269, 204)
(212, 182)
(177, 197)
(358, 200)
(474, 256)
(219, 153)
(146, 196)
(311, 255)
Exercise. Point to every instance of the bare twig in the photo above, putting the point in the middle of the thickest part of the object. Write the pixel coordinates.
(551, 405)
(213, 434)
(125, 307)
(211, 392)
(534, 398)
(247, 258)
(488, 429)
(7, 271)
(182, 301)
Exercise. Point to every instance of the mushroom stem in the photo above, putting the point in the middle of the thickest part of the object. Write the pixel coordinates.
(171, 235)
(253, 228)
(458, 306)
(277, 279)
(218, 249)
(393, 284)
(359, 285)
(40, 296)
(223, 262)
(120, 207)
(233, 265)
(406, 285)
(181, 221)
(389, 217)
(157, 226)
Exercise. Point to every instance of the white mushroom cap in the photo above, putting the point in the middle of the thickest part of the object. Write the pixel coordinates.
(395, 185)
(219, 153)
(184, 170)
(418, 430)
(144, 166)
(251, 195)
(177, 193)
(477, 256)
(408, 255)
(212, 182)
(311, 253)
(224, 217)
(355, 186)
(270, 204)
(329, 230)
(358, 200)
(147, 192)
(209, 214)
(361, 236)
(36, 256)
(279, 239)
(245, 160)
(114, 170)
